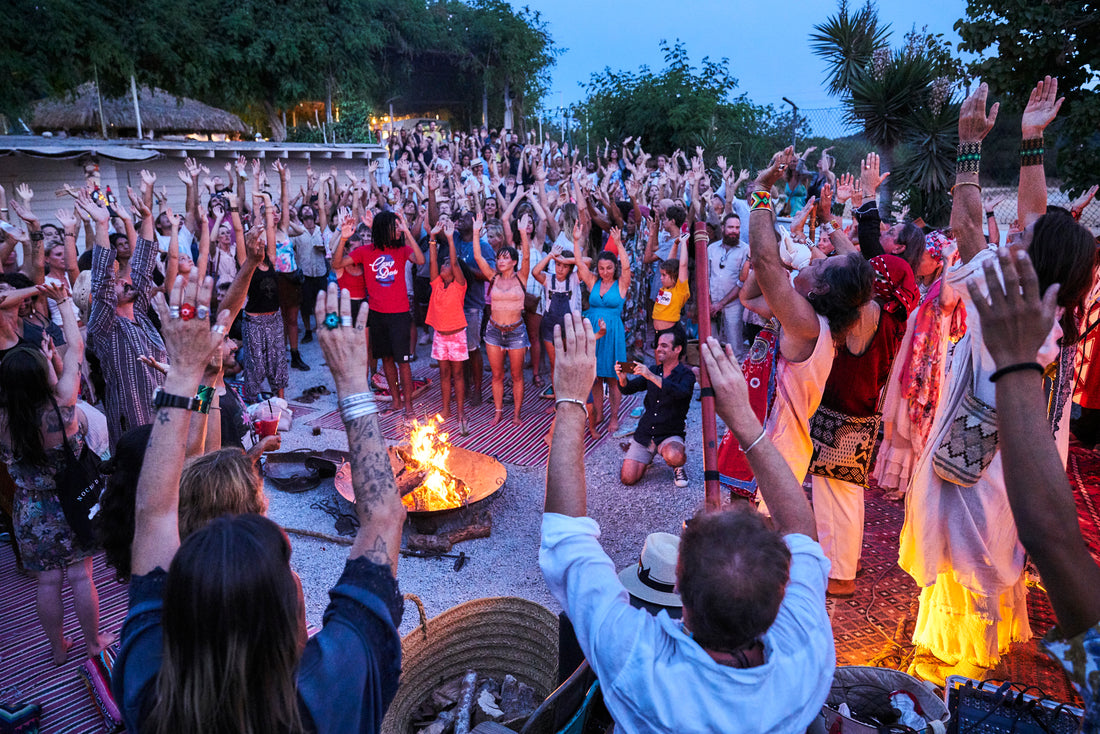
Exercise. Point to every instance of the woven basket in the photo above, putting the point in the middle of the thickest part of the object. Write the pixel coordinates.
(496, 636)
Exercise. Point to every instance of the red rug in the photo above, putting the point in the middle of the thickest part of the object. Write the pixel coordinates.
(26, 671)
(522, 445)
(875, 626)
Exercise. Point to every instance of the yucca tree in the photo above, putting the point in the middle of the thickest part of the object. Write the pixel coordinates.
(898, 97)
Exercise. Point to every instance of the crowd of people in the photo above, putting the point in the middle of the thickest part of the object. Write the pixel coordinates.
(961, 353)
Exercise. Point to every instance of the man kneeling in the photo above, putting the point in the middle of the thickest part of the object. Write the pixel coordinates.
(754, 651)
(668, 385)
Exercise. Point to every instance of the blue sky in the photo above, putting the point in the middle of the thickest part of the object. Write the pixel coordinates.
(766, 42)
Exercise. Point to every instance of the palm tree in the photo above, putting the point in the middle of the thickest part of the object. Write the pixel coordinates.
(895, 96)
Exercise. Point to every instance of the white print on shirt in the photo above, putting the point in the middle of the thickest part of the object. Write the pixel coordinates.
(664, 297)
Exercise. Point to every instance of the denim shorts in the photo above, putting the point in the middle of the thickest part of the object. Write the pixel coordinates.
(474, 318)
(513, 336)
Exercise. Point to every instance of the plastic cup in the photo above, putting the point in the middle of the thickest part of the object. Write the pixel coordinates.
(267, 421)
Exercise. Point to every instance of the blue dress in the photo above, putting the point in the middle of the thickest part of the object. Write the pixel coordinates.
(609, 307)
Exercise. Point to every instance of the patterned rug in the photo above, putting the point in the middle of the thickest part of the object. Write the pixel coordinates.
(875, 626)
(522, 445)
(26, 672)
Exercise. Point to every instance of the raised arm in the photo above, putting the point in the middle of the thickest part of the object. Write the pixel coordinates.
(574, 372)
(790, 509)
(415, 253)
(377, 501)
(238, 289)
(584, 272)
(68, 382)
(104, 300)
(525, 250)
(284, 194)
(34, 255)
(1042, 107)
(1014, 325)
(966, 204)
(682, 275)
(189, 345)
(347, 228)
(799, 320)
(483, 266)
(624, 261)
(70, 221)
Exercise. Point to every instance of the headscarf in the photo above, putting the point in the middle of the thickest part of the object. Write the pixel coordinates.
(895, 285)
(936, 243)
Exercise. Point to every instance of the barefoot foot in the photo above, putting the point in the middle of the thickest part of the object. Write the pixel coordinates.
(516, 421)
(102, 643)
(496, 418)
(59, 656)
(463, 428)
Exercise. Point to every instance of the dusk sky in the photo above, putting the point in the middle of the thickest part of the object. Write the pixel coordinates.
(767, 43)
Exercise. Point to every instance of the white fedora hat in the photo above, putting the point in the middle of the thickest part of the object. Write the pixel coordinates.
(653, 578)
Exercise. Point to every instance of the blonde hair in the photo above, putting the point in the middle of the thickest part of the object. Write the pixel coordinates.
(224, 482)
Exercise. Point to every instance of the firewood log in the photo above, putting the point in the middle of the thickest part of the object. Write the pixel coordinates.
(465, 707)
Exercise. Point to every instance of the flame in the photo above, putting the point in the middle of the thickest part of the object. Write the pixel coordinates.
(428, 450)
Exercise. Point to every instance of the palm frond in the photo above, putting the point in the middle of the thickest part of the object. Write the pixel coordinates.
(845, 41)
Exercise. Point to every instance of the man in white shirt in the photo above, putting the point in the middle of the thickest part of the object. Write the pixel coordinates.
(724, 261)
(754, 651)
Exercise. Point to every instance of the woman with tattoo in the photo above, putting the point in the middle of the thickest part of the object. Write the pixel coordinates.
(38, 420)
(226, 621)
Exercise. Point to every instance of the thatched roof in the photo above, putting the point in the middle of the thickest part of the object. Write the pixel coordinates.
(160, 111)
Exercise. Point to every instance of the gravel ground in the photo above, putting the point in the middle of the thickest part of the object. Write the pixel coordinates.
(506, 563)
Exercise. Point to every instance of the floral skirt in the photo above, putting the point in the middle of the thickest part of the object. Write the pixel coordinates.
(46, 542)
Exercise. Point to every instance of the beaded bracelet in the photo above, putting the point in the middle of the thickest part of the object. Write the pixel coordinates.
(968, 158)
(1031, 152)
(760, 200)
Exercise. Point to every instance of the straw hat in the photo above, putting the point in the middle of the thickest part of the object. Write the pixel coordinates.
(653, 578)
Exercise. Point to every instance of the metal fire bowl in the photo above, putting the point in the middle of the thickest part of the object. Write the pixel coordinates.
(482, 474)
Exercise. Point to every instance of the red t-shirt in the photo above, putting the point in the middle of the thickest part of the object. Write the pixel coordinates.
(445, 307)
(384, 272)
(357, 289)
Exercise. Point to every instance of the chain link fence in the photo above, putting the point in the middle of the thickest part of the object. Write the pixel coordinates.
(826, 126)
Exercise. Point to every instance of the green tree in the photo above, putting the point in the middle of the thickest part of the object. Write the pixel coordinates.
(682, 106)
(900, 98)
(1020, 43)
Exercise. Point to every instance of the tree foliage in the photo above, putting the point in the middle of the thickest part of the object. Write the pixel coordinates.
(682, 106)
(1020, 43)
(901, 98)
(260, 57)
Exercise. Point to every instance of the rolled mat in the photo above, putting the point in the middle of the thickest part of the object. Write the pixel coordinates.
(495, 636)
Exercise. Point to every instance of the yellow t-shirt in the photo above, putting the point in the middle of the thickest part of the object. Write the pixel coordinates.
(670, 302)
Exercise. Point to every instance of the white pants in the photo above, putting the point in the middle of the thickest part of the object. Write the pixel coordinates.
(838, 508)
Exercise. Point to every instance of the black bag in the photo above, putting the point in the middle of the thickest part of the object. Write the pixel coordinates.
(79, 484)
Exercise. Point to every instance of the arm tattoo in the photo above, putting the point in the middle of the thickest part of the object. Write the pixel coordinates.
(371, 475)
(378, 553)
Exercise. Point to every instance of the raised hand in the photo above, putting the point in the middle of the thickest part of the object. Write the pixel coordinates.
(189, 341)
(844, 188)
(24, 192)
(280, 168)
(56, 291)
(782, 160)
(826, 204)
(23, 210)
(974, 122)
(870, 176)
(575, 362)
(67, 217)
(1041, 109)
(731, 393)
(1015, 321)
(148, 179)
(92, 208)
(1082, 201)
(192, 168)
(344, 347)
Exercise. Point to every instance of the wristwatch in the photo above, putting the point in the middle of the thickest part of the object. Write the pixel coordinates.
(163, 399)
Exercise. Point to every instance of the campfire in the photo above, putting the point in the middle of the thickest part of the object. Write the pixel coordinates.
(426, 484)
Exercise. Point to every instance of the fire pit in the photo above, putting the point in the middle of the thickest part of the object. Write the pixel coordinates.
(443, 487)
(435, 476)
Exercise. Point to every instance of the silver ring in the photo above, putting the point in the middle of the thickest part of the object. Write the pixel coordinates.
(217, 329)
(174, 311)
(202, 312)
(345, 321)
(782, 166)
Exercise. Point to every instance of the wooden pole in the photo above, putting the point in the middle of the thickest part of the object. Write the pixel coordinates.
(710, 425)
(99, 103)
(137, 107)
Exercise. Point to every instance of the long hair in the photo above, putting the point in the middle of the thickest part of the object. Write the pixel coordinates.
(1064, 252)
(609, 257)
(849, 288)
(912, 237)
(223, 482)
(233, 633)
(114, 523)
(26, 391)
(384, 231)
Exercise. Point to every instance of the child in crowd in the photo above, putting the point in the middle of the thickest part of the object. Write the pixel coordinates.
(674, 290)
(446, 317)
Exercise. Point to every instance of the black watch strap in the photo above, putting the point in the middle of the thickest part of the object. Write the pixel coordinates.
(163, 399)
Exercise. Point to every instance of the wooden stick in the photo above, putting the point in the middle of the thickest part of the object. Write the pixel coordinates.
(320, 536)
(465, 703)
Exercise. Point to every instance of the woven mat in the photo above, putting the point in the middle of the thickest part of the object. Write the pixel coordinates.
(522, 445)
(875, 626)
(25, 655)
